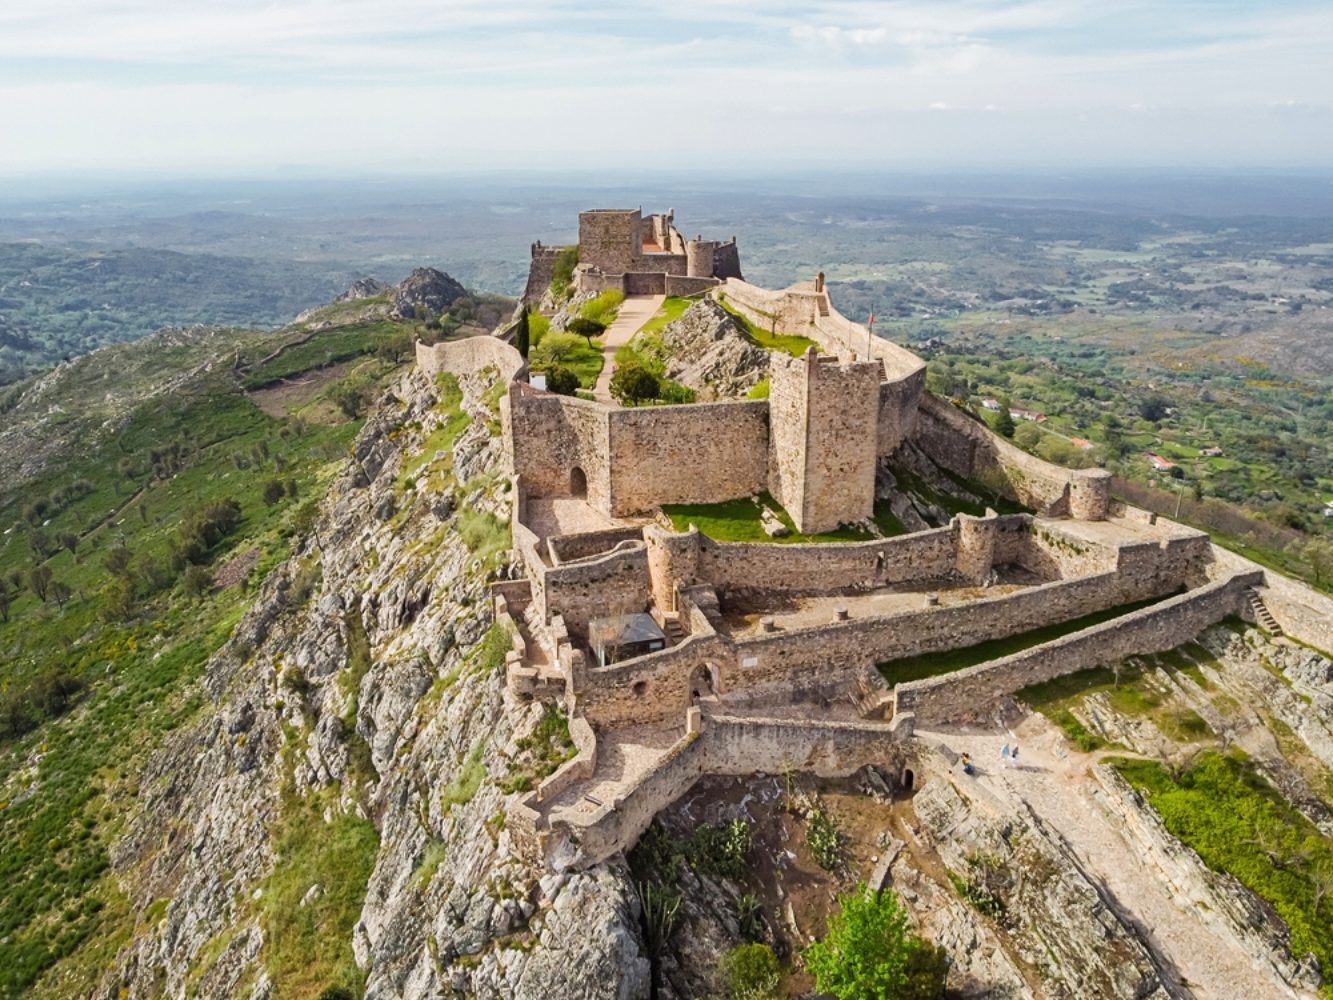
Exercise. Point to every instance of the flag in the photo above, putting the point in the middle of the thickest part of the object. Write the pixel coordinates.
(872, 320)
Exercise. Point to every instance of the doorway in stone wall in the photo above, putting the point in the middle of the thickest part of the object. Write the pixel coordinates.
(578, 482)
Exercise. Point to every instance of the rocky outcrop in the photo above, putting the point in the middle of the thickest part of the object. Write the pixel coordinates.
(707, 350)
(426, 293)
(1055, 918)
(363, 288)
(371, 694)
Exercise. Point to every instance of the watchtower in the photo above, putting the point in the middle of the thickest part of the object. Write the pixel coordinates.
(824, 416)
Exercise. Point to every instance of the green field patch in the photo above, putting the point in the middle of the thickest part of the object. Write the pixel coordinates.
(914, 668)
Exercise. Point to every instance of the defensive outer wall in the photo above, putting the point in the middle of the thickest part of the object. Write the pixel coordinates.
(816, 459)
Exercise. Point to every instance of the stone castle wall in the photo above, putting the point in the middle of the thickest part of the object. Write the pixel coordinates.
(969, 449)
(551, 435)
(700, 453)
(1304, 613)
(647, 690)
(727, 260)
(822, 569)
(469, 356)
(568, 548)
(614, 583)
(788, 389)
(740, 746)
(680, 286)
(966, 693)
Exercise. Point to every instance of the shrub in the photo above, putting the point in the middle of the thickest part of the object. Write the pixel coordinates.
(825, 840)
(561, 380)
(633, 384)
(722, 850)
(869, 953)
(752, 972)
(274, 490)
(555, 348)
(602, 309)
(523, 333)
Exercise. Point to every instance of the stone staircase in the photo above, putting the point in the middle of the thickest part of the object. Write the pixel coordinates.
(1262, 615)
(672, 628)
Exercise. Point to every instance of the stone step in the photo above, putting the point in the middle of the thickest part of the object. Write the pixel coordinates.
(1262, 616)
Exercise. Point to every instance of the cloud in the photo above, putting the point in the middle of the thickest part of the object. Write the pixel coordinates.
(194, 83)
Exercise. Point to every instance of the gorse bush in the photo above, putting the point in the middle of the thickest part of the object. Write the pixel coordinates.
(752, 972)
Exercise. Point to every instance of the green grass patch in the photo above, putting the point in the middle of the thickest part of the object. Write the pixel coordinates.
(740, 521)
(466, 782)
(914, 668)
(760, 390)
(308, 934)
(485, 535)
(672, 309)
(1238, 823)
(782, 343)
(603, 308)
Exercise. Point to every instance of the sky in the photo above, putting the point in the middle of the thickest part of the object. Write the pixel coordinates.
(242, 87)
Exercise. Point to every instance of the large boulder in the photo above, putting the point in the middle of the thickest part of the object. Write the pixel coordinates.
(427, 290)
(708, 351)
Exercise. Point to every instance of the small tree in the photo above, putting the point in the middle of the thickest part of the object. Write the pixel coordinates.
(274, 490)
(39, 581)
(1319, 554)
(4, 604)
(197, 581)
(870, 953)
(523, 333)
(69, 540)
(1004, 423)
(561, 380)
(60, 593)
(586, 328)
(633, 384)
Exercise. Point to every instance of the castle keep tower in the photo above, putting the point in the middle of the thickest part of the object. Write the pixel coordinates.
(611, 239)
(824, 417)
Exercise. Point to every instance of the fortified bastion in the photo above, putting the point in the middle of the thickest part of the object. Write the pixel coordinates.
(677, 655)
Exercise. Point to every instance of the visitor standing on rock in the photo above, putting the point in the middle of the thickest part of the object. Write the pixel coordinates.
(1004, 755)
(1013, 755)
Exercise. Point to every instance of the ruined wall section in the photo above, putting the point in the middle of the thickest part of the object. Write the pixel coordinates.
(789, 391)
(615, 583)
(469, 356)
(701, 453)
(976, 690)
(550, 435)
(540, 272)
(1302, 611)
(727, 745)
(969, 449)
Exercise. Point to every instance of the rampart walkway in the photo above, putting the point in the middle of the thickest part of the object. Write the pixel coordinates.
(634, 313)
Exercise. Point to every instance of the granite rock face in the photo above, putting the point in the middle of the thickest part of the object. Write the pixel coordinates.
(425, 291)
(363, 288)
(369, 695)
(708, 351)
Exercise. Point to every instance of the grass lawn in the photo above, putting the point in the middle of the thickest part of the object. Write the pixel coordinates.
(739, 521)
(915, 668)
(671, 310)
(786, 343)
(1238, 823)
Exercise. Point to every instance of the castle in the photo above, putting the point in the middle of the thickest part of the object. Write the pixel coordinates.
(620, 249)
(677, 655)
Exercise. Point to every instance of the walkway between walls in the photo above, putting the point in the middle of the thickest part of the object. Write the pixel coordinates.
(634, 313)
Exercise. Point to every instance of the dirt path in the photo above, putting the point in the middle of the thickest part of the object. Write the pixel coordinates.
(1055, 783)
(634, 312)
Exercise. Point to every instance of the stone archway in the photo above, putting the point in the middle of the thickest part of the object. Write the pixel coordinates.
(578, 482)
